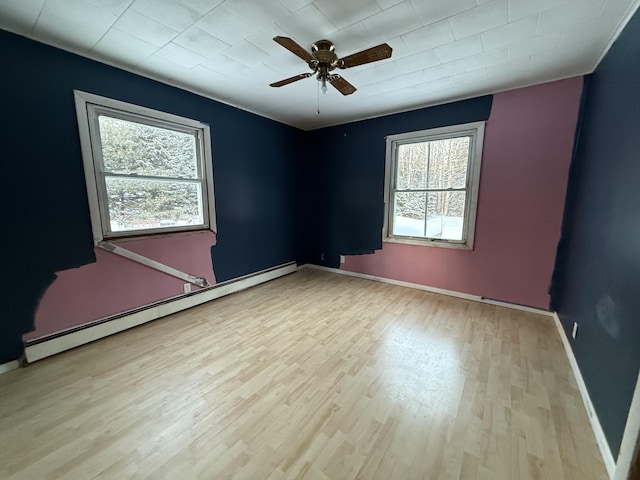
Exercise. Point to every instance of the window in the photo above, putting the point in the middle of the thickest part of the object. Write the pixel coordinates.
(146, 171)
(431, 186)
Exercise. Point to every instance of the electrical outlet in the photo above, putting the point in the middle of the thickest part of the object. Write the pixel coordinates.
(341, 258)
(322, 256)
(575, 330)
(187, 287)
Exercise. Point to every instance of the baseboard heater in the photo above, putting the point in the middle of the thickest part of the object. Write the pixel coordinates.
(46, 346)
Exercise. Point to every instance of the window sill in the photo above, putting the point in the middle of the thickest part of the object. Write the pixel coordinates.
(429, 243)
(149, 236)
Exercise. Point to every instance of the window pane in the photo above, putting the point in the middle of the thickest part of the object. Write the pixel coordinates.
(411, 171)
(136, 204)
(445, 215)
(137, 149)
(409, 210)
(448, 161)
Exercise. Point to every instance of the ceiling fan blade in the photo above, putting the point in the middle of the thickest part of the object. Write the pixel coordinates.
(340, 84)
(289, 80)
(294, 48)
(373, 54)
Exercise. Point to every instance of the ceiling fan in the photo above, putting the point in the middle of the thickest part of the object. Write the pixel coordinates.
(323, 59)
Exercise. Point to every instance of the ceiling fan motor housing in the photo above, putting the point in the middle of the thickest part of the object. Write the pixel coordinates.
(324, 53)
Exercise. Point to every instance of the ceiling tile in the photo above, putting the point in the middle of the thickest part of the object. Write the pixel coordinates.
(295, 5)
(525, 48)
(445, 70)
(225, 65)
(430, 12)
(306, 26)
(344, 13)
(226, 26)
(160, 68)
(286, 69)
(116, 7)
(78, 13)
(430, 36)
(379, 72)
(262, 73)
(257, 13)
(394, 21)
(205, 77)
(557, 65)
(200, 42)
(422, 60)
(389, 3)
(140, 26)
(19, 14)
(594, 35)
(168, 12)
(118, 45)
(523, 8)
(569, 14)
(399, 47)
(480, 19)
(510, 33)
(279, 59)
(246, 53)
(421, 77)
(620, 9)
(354, 38)
(486, 59)
(200, 6)
(509, 70)
(375, 89)
(179, 55)
(469, 77)
(77, 23)
(576, 38)
(225, 49)
(460, 49)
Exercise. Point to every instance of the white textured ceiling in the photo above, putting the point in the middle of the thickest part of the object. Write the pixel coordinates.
(443, 50)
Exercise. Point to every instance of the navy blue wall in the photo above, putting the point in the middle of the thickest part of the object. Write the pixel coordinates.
(45, 217)
(345, 198)
(597, 278)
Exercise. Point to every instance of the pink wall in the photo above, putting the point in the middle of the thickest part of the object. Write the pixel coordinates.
(114, 284)
(527, 151)
(525, 165)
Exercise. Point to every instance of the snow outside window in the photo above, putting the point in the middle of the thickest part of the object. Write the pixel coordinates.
(431, 186)
(146, 171)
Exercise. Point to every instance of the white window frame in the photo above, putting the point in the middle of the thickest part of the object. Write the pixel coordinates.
(476, 131)
(88, 106)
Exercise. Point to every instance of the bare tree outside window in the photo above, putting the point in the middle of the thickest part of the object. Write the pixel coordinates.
(430, 186)
(168, 159)
(146, 171)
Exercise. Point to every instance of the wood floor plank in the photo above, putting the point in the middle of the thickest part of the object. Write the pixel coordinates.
(310, 376)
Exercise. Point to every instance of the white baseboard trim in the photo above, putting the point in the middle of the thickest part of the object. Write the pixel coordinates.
(7, 367)
(601, 440)
(42, 348)
(441, 291)
(630, 438)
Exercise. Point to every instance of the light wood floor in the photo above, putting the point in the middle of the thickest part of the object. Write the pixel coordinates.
(314, 375)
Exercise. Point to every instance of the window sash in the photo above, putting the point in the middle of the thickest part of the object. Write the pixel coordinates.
(429, 190)
(95, 112)
(475, 134)
(89, 108)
